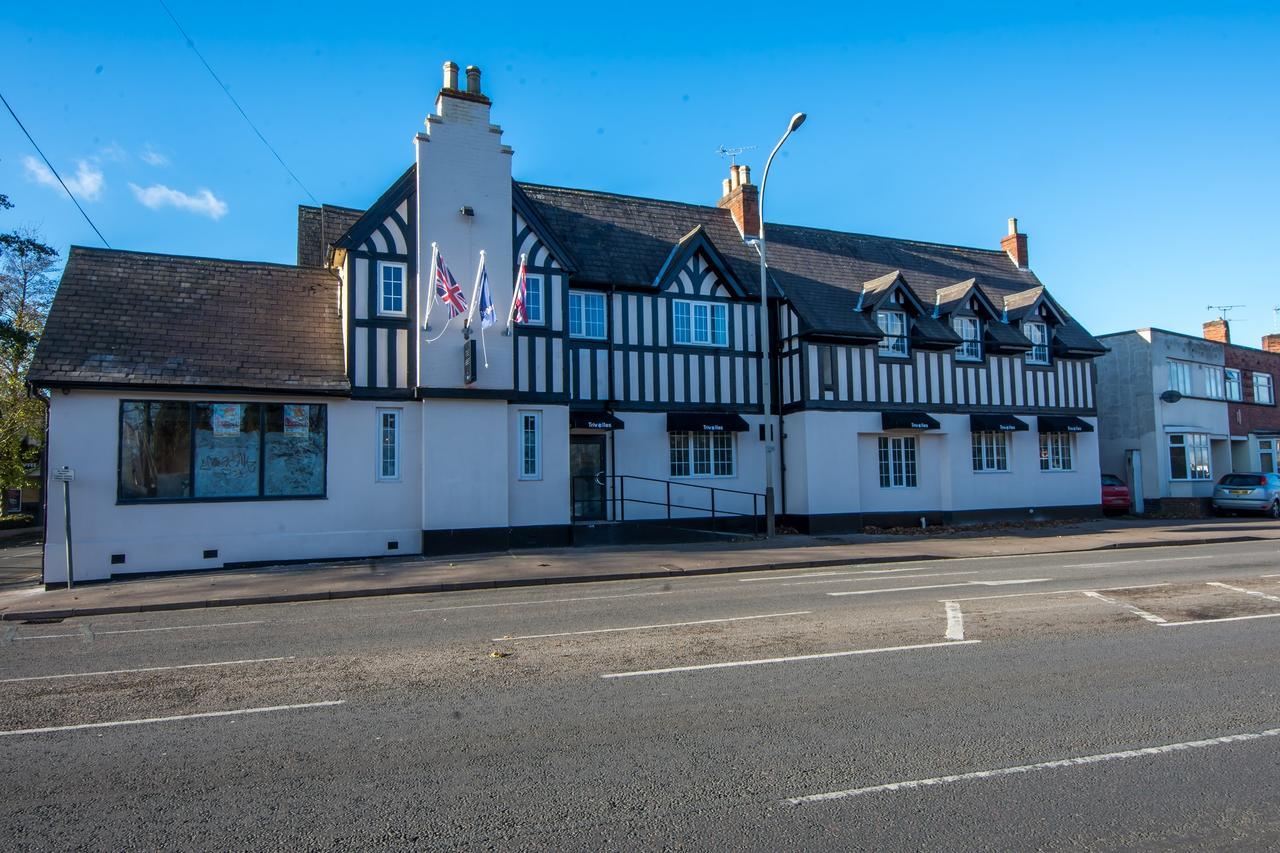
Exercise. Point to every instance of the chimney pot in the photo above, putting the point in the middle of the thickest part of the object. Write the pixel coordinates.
(734, 181)
(1217, 330)
(725, 184)
(473, 80)
(744, 173)
(1015, 244)
(451, 75)
(1013, 225)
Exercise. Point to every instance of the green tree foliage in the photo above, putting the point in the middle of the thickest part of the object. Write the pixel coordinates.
(28, 268)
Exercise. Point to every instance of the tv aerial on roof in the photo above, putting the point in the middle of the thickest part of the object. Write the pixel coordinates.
(732, 153)
(1222, 309)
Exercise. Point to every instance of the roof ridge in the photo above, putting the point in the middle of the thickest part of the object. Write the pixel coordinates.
(96, 250)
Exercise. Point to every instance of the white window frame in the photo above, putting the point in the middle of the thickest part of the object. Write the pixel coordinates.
(1037, 331)
(689, 335)
(1235, 384)
(971, 349)
(1213, 382)
(703, 455)
(397, 416)
(1180, 378)
(533, 308)
(1057, 452)
(894, 343)
(383, 311)
(990, 452)
(578, 314)
(898, 459)
(1263, 381)
(530, 423)
(1193, 444)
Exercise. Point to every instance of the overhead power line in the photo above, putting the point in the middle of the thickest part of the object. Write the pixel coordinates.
(191, 44)
(54, 171)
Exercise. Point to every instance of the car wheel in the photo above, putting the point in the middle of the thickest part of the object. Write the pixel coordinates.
(1275, 510)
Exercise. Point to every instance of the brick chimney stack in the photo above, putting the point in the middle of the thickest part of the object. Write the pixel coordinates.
(742, 199)
(1015, 245)
(1218, 330)
(1271, 343)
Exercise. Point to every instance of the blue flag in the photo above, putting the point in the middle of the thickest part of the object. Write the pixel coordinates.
(488, 316)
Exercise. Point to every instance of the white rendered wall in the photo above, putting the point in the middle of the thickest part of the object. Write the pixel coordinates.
(357, 518)
(466, 463)
(544, 500)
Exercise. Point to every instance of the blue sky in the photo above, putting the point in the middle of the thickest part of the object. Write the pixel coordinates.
(1136, 146)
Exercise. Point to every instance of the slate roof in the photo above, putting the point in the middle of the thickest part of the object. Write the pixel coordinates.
(134, 318)
(319, 228)
(624, 240)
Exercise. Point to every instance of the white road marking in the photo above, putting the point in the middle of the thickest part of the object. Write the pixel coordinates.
(86, 632)
(647, 627)
(543, 601)
(1268, 596)
(941, 586)
(853, 570)
(1054, 592)
(955, 621)
(142, 669)
(1136, 611)
(762, 661)
(1223, 619)
(856, 579)
(1059, 764)
(1128, 562)
(205, 715)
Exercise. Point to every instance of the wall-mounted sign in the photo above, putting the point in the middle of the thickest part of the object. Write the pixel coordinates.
(469, 362)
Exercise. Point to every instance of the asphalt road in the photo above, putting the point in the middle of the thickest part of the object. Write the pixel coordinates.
(697, 713)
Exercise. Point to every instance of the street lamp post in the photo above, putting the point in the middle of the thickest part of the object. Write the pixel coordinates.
(767, 384)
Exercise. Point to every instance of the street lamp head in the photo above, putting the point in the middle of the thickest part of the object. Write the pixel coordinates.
(796, 121)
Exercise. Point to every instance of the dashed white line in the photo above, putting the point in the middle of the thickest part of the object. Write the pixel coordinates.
(853, 570)
(941, 586)
(541, 601)
(762, 661)
(175, 717)
(89, 633)
(665, 625)
(1129, 562)
(1054, 592)
(1223, 619)
(142, 669)
(955, 621)
(857, 579)
(1268, 596)
(1136, 611)
(1059, 764)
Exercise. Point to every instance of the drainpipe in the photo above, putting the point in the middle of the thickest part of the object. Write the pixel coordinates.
(44, 479)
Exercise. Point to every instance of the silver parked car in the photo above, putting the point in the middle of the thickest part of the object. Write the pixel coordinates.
(1250, 492)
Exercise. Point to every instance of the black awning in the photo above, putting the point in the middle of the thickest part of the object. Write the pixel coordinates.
(595, 420)
(705, 422)
(1062, 423)
(996, 423)
(908, 420)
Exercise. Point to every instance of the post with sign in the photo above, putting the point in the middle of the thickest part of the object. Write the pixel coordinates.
(65, 475)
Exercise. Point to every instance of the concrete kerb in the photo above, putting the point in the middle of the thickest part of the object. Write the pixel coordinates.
(419, 589)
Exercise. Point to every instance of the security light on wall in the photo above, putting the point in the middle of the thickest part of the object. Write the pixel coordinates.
(467, 210)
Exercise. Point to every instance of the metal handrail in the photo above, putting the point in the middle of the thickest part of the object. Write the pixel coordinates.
(618, 496)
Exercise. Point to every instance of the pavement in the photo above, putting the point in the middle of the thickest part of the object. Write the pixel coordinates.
(411, 575)
(1102, 700)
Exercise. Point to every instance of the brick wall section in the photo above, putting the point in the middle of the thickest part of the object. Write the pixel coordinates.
(1247, 417)
(1217, 330)
(1271, 343)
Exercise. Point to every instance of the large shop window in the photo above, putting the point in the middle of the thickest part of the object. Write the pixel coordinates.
(702, 454)
(1189, 456)
(703, 324)
(221, 451)
(990, 451)
(586, 315)
(1055, 451)
(897, 462)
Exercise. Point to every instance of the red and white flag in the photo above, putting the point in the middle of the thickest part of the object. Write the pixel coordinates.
(517, 314)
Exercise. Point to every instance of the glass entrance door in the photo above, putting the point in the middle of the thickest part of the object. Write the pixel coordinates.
(586, 477)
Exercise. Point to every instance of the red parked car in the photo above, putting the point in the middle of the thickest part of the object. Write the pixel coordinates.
(1115, 494)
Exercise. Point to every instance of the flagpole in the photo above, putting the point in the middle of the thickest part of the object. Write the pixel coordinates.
(431, 287)
(475, 288)
(516, 293)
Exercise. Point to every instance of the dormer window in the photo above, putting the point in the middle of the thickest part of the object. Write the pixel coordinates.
(1038, 333)
(894, 326)
(970, 331)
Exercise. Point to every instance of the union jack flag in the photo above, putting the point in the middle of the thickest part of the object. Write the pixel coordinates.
(517, 309)
(448, 291)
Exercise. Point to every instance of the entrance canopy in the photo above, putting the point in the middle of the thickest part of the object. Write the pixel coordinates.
(1062, 423)
(996, 423)
(595, 420)
(705, 422)
(908, 420)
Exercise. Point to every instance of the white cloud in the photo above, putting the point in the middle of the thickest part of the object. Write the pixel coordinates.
(204, 202)
(152, 157)
(87, 182)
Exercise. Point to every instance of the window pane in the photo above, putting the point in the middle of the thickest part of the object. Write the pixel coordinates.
(389, 445)
(719, 325)
(701, 323)
(594, 315)
(682, 322)
(529, 445)
(294, 442)
(533, 298)
(575, 314)
(722, 448)
(155, 450)
(679, 454)
(228, 444)
(700, 445)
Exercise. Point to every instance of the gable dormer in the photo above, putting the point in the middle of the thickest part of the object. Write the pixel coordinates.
(1038, 317)
(974, 317)
(695, 267)
(903, 319)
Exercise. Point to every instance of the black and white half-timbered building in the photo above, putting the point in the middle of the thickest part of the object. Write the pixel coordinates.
(222, 413)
